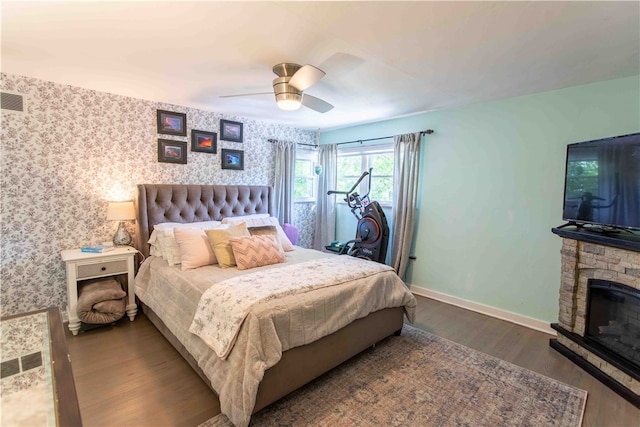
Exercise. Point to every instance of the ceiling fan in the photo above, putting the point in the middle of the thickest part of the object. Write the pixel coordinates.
(289, 87)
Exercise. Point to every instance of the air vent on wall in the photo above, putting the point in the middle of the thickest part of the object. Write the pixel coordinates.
(12, 102)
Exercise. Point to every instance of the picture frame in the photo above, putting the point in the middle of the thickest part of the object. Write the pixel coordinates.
(231, 131)
(170, 123)
(232, 159)
(170, 151)
(204, 142)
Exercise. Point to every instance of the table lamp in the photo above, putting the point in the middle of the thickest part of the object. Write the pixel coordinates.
(121, 211)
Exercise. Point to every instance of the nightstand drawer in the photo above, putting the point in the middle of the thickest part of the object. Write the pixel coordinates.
(102, 269)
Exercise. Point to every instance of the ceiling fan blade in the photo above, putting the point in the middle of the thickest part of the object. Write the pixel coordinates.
(316, 104)
(305, 77)
(246, 94)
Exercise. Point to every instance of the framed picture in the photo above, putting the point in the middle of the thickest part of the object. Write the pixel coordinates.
(233, 159)
(172, 151)
(230, 131)
(204, 142)
(171, 123)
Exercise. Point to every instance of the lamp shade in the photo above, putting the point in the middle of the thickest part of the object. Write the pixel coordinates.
(121, 211)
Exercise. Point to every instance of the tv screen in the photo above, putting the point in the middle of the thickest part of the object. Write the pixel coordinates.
(602, 182)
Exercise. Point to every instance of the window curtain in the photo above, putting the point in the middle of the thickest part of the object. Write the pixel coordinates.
(325, 228)
(406, 168)
(284, 180)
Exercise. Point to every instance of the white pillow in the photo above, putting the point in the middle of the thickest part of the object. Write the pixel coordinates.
(202, 225)
(166, 242)
(246, 217)
(257, 222)
(155, 250)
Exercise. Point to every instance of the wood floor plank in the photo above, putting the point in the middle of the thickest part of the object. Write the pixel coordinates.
(129, 375)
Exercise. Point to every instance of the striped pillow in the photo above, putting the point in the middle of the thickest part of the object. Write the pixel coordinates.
(256, 251)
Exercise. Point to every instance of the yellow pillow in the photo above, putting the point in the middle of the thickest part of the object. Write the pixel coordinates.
(219, 240)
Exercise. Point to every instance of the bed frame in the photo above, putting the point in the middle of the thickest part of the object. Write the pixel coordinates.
(158, 203)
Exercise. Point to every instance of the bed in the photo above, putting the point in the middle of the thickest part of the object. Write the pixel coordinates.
(283, 343)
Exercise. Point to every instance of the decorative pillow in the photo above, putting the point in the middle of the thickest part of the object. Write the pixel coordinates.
(266, 230)
(162, 237)
(195, 249)
(256, 251)
(219, 239)
(256, 222)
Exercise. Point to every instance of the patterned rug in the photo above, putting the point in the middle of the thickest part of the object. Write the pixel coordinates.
(419, 379)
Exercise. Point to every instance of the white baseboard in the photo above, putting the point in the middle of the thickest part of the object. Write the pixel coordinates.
(518, 319)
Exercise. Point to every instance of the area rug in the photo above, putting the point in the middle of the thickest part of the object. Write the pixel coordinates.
(420, 379)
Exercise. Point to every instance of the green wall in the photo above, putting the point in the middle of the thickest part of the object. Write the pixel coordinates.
(492, 179)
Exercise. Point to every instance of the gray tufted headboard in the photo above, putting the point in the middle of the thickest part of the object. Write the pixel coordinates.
(158, 203)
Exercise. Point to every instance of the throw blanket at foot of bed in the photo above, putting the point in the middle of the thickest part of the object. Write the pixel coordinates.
(223, 307)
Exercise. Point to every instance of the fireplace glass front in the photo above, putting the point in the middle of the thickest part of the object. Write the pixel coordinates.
(613, 319)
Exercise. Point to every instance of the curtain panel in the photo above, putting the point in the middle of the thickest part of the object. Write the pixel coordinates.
(325, 227)
(406, 171)
(284, 180)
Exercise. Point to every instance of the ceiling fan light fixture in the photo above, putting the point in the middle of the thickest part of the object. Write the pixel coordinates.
(288, 105)
(288, 101)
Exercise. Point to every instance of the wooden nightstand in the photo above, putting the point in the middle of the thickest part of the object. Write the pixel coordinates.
(87, 265)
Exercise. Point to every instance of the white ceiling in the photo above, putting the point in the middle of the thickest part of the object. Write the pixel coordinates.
(382, 59)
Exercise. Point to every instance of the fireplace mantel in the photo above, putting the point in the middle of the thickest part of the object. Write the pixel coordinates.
(621, 240)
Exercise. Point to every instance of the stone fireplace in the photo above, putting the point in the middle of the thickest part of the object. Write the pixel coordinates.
(598, 272)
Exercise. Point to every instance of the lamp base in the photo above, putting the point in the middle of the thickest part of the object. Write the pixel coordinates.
(122, 236)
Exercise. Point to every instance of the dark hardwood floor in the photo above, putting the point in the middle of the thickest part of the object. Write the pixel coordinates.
(128, 375)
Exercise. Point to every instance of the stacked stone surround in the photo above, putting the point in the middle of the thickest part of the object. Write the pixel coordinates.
(582, 261)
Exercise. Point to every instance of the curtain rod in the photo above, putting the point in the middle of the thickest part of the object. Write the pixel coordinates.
(427, 132)
(271, 140)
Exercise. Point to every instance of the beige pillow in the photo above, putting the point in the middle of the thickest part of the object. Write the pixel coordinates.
(256, 251)
(219, 240)
(256, 222)
(265, 230)
(195, 249)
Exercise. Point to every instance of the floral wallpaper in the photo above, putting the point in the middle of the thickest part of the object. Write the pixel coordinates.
(76, 149)
(304, 217)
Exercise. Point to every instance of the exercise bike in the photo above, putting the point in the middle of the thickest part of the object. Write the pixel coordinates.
(372, 231)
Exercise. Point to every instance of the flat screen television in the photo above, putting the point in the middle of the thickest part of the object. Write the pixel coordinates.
(602, 183)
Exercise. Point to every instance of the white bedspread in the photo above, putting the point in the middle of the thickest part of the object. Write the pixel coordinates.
(223, 307)
(271, 326)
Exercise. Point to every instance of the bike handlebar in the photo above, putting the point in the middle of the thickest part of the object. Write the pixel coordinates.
(364, 174)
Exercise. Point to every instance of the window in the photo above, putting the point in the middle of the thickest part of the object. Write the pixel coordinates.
(304, 188)
(353, 161)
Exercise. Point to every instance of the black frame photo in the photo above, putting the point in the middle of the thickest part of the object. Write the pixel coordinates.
(232, 159)
(170, 123)
(204, 142)
(170, 151)
(230, 131)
